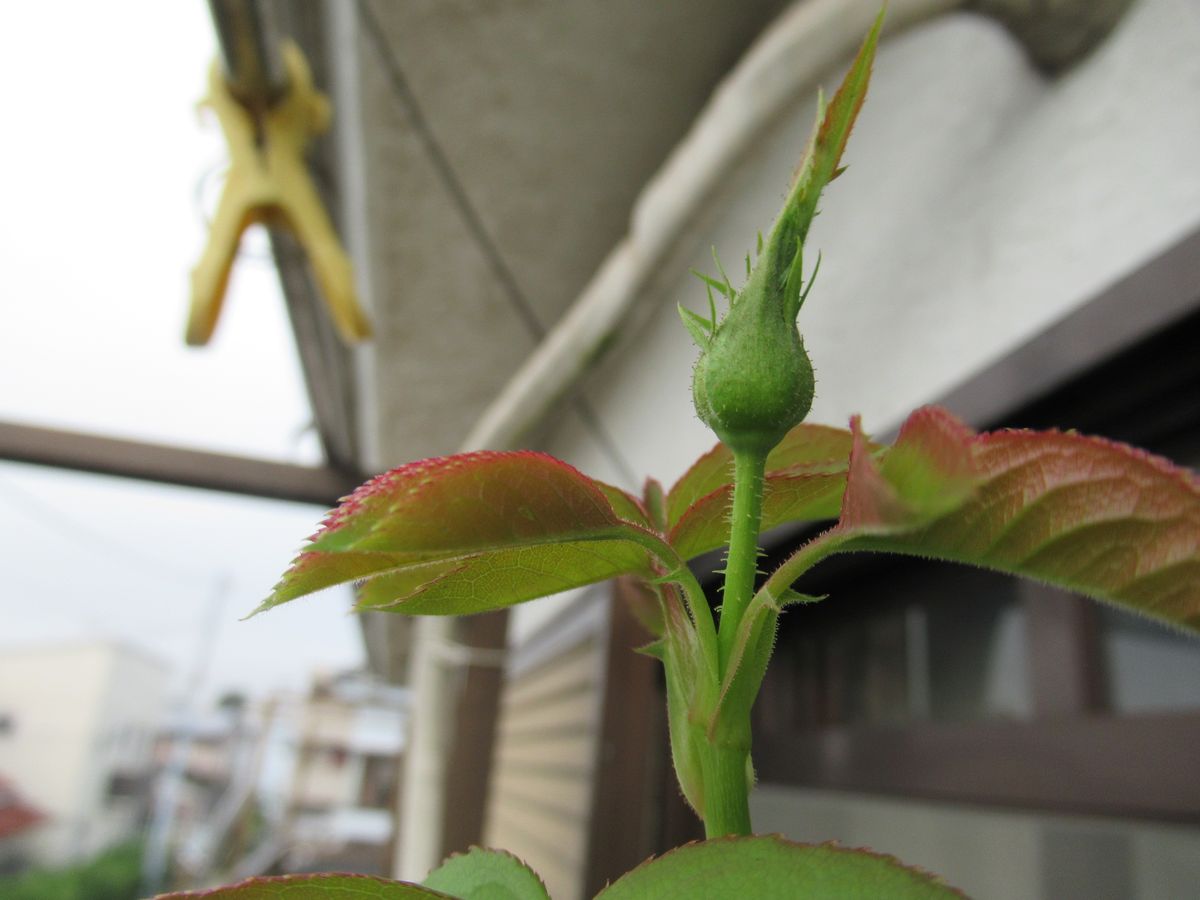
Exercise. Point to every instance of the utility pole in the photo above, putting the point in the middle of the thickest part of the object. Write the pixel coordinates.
(170, 782)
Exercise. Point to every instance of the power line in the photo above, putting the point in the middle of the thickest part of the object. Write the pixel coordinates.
(34, 507)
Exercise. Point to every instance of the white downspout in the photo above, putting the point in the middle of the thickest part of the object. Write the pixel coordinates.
(423, 796)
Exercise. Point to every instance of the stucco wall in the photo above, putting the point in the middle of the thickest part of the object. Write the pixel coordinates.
(983, 202)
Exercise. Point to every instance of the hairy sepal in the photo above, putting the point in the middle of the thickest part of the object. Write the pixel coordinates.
(692, 689)
(821, 165)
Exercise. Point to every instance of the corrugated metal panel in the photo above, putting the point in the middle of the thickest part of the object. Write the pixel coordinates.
(542, 781)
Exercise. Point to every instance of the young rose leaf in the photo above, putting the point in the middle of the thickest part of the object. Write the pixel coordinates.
(810, 448)
(487, 875)
(654, 500)
(773, 868)
(1082, 513)
(805, 479)
(501, 577)
(806, 496)
(314, 887)
(469, 533)
(930, 470)
(1086, 514)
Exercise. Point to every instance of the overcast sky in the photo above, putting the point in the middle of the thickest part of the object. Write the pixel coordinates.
(103, 161)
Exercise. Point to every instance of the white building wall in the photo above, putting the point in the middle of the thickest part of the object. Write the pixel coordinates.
(133, 705)
(79, 712)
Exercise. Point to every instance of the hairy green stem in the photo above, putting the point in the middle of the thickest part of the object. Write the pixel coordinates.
(741, 565)
(726, 792)
(726, 784)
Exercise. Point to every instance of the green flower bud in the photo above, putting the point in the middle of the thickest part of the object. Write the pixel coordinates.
(753, 381)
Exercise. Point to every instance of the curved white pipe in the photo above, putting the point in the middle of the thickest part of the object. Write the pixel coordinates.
(802, 46)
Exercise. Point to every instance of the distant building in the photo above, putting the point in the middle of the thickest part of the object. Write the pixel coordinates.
(207, 764)
(298, 783)
(340, 814)
(207, 791)
(77, 737)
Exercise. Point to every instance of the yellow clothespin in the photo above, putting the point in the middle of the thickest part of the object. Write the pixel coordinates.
(268, 182)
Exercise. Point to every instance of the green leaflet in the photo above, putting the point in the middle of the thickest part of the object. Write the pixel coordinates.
(313, 887)
(487, 875)
(1082, 513)
(469, 533)
(500, 577)
(806, 448)
(1087, 514)
(804, 496)
(773, 868)
(805, 478)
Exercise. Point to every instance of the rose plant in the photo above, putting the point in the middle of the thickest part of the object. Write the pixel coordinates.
(481, 531)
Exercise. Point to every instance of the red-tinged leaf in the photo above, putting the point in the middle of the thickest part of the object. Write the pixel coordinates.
(869, 501)
(808, 496)
(487, 875)
(1086, 514)
(654, 500)
(774, 868)
(624, 504)
(805, 478)
(468, 533)
(928, 471)
(465, 502)
(806, 448)
(313, 887)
